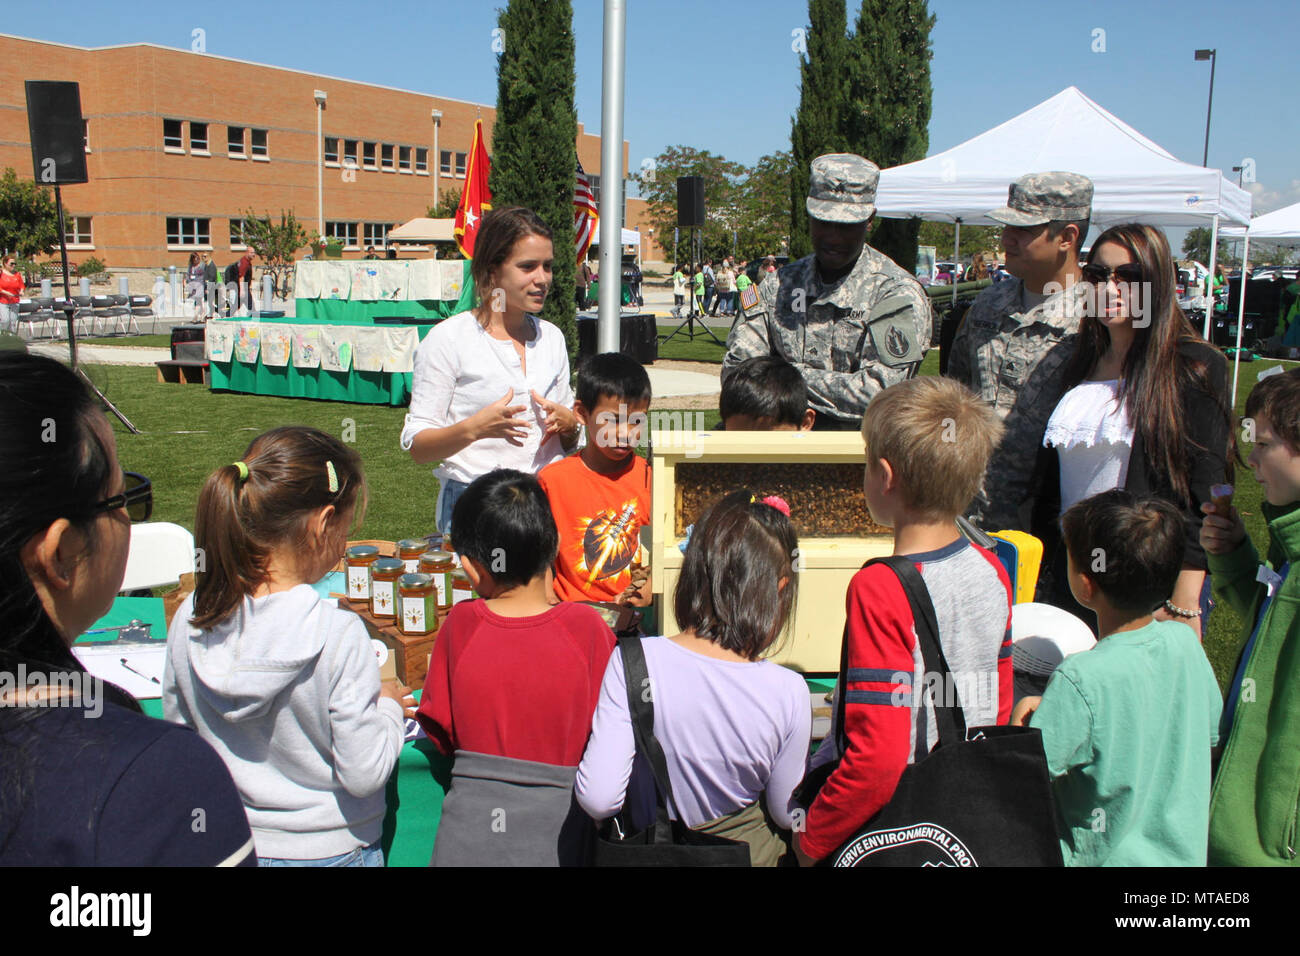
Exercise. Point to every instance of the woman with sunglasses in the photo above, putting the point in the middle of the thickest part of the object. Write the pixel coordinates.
(87, 779)
(1145, 408)
(11, 292)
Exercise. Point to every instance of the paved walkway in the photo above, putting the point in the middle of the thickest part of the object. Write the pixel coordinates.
(666, 381)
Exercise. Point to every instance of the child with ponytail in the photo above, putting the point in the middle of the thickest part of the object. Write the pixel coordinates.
(281, 682)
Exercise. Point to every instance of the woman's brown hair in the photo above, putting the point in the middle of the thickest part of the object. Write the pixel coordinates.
(497, 235)
(241, 522)
(729, 590)
(1155, 375)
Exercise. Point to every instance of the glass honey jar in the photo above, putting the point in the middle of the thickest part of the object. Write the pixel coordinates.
(439, 565)
(383, 595)
(409, 551)
(416, 604)
(359, 559)
(461, 589)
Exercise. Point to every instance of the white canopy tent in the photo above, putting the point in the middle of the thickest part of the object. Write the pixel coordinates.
(423, 230)
(1281, 223)
(1134, 179)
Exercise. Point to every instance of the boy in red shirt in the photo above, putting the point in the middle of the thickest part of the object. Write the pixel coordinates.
(600, 497)
(928, 441)
(512, 686)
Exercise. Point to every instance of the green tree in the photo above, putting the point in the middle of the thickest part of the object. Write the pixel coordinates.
(723, 208)
(889, 102)
(1196, 245)
(447, 204)
(534, 142)
(276, 244)
(764, 203)
(29, 223)
(819, 126)
(974, 239)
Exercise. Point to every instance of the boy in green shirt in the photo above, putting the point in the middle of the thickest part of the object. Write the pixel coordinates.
(1255, 804)
(1128, 725)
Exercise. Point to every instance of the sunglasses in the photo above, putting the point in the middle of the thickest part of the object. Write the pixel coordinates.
(137, 499)
(1098, 275)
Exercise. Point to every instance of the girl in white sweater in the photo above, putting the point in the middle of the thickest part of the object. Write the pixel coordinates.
(281, 682)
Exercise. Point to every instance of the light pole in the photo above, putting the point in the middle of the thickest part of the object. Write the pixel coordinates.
(1237, 170)
(1208, 55)
(437, 159)
(320, 162)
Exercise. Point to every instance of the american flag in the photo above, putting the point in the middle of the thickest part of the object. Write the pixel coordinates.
(585, 216)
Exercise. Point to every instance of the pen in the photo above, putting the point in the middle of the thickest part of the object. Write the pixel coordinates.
(134, 671)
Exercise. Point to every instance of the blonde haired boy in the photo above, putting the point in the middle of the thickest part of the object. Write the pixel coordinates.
(928, 441)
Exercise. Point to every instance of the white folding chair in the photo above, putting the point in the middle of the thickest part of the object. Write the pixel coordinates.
(160, 553)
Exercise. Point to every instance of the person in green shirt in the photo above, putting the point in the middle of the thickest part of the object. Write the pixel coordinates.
(697, 285)
(1129, 725)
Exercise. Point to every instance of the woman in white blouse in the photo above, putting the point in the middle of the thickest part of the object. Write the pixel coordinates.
(491, 386)
(1147, 410)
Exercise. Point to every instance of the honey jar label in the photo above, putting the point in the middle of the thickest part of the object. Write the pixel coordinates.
(440, 582)
(381, 601)
(413, 615)
(460, 594)
(359, 583)
(412, 565)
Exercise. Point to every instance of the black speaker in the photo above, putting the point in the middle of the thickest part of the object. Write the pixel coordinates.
(57, 132)
(690, 201)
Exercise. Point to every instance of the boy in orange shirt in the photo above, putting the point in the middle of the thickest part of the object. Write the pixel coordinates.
(600, 497)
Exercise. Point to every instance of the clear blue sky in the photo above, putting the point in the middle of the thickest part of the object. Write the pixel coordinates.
(722, 75)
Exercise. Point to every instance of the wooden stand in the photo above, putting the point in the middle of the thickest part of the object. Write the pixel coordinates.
(183, 371)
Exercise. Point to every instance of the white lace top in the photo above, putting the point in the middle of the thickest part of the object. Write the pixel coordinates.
(1091, 433)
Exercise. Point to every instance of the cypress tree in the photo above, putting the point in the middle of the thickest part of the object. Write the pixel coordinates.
(534, 142)
(889, 102)
(819, 125)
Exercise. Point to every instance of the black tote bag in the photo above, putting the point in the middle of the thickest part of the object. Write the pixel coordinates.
(665, 842)
(981, 797)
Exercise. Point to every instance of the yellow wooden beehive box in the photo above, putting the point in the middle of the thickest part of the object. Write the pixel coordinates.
(820, 476)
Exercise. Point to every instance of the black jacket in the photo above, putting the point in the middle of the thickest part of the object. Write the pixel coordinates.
(1206, 425)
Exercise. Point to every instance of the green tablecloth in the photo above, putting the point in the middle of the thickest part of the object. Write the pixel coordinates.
(289, 381)
(363, 311)
(416, 787)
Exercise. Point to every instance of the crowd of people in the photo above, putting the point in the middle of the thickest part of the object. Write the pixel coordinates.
(717, 291)
(1080, 404)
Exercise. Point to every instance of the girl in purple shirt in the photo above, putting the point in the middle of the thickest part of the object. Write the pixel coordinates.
(734, 729)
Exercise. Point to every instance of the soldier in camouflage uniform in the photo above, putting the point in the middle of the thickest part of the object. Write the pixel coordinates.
(1019, 335)
(847, 317)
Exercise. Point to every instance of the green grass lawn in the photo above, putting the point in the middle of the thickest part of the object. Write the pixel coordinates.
(187, 431)
(700, 349)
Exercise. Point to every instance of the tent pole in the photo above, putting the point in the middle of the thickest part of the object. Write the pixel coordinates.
(956, 262)
(1209, 282)
(1241, 318)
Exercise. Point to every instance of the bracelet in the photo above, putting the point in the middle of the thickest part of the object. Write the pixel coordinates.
(1177, 611)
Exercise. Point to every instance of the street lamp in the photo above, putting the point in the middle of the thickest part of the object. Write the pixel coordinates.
(1237, 170)
(437, 159)
(1208, 55)
(320, 162)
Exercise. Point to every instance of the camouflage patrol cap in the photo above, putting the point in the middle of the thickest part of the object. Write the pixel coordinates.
(842, 188)
(1040, 198)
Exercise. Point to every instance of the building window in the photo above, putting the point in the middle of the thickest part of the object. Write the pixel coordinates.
(331, 151)
(199, 138)
(257, 140)
(235, 141)
(350, 153)
(386, 157)
(421, 161)
(78, 231)
(172, 141)
(368, 156)
(446, 160)
(404, 159)
(376, 234)
(594, 180)
(345, 232)
(188, 232)
(237, 234)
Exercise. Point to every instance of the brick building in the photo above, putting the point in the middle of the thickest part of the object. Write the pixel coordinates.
(181, 145)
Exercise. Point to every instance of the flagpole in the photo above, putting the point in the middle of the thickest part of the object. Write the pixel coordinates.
(611, 177)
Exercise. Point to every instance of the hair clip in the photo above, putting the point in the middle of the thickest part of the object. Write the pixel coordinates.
(243, 470)
(333, 477)
(779, 503)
